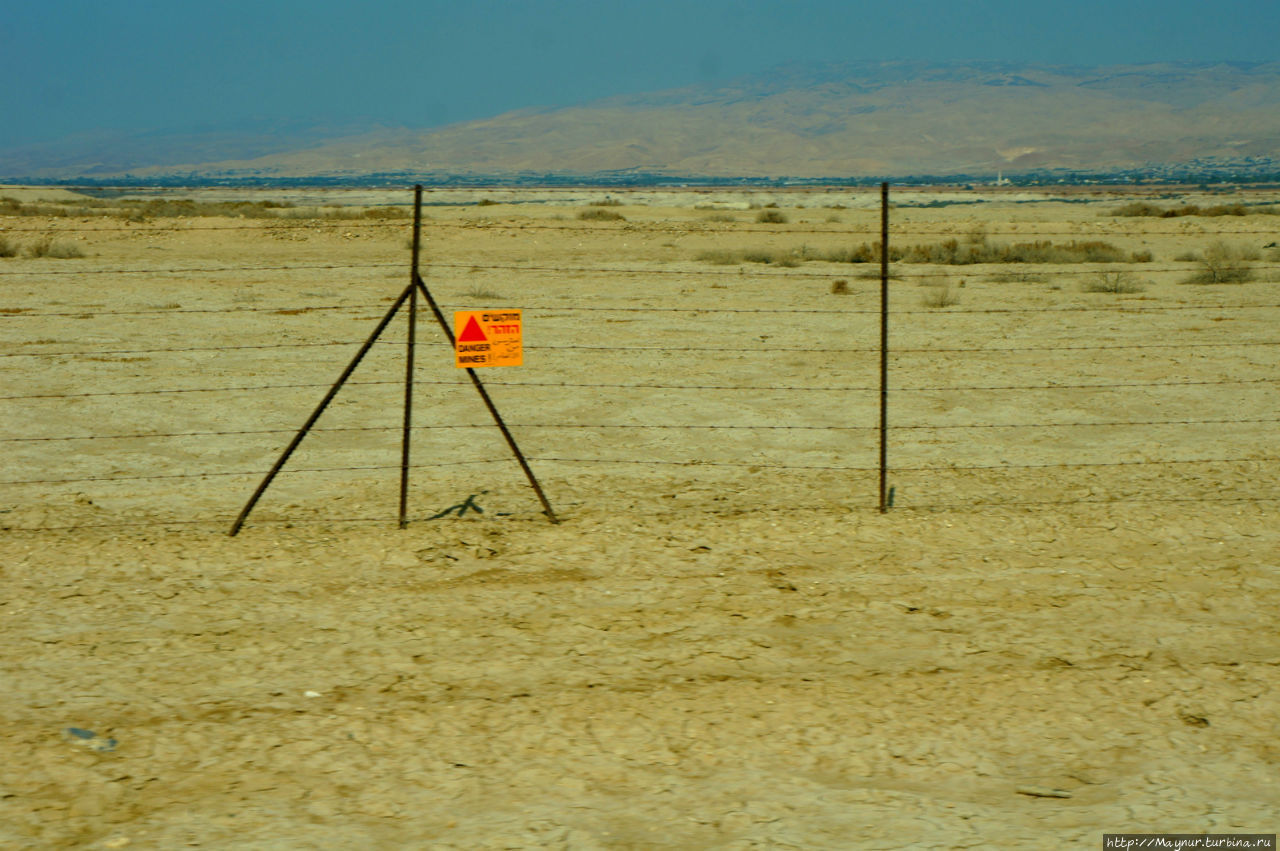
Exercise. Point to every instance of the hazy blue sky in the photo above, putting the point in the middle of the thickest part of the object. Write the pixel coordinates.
(70, 67)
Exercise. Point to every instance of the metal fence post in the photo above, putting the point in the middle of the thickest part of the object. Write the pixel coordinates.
(884, 347)
(408, 367)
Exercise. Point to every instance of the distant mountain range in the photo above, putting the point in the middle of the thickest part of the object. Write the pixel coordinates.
(801, 121)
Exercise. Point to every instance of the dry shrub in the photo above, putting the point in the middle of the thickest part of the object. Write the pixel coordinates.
(1020, 277)
(720, 257)
(138, 210)
(771, 217)
(952, 252)
(8, 248)
(1225, 264)
(840, 287)
(1141, 208)
(1138, 208)
(478, 294)
(867, 252)
(597, 214)
(767, 256)
(873, 273)
(47, 247)
(387, 213)
(1114, 282)
(940, 295)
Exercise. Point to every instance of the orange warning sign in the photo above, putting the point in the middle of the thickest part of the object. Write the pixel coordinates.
(488, 338)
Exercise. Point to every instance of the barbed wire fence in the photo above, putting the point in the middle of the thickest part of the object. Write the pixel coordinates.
(776, 388)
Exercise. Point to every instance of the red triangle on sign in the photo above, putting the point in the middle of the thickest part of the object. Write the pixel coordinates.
(472, 333)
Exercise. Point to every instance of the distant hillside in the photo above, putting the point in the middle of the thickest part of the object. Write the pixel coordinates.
(818, 121)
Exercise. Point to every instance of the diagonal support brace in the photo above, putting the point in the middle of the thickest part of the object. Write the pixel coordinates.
(324, 403)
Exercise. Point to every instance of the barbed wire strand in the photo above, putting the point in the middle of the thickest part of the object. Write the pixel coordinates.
(187, 270)
(390, 429)
(717, 271)
(724, 349)
(645, 386)
(693, 225)
(928, 389)
(657, 462)
(1199, 500)
(223, 474)
(91, 313)
(164, 391)
(892, 469)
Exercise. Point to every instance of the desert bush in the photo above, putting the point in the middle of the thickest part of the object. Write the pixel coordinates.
(840, 287)
(951, 252)
(597, 214)
(138, 210)
(1114, 282)
(1019, 277)
(8, 248)
(47, 247)
(867, 252)
(720, 257)
(873, 273)
(772, 256)
(387, 213)
(767, 256)
(1138, 208)
(1143, 256)
(478, 293)
(771, 217)
(1225, 264)
(940, 296)
(158, 208)
(1141, 208)
(607, 202)
(10, 206)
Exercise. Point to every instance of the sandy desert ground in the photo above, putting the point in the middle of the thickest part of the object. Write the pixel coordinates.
(1066, 625)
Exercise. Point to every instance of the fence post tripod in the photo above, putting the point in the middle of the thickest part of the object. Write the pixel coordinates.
(409, 293)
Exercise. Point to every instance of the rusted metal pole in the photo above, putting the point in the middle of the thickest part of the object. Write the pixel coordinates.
(324, 403)
(493, 410)
(408, 366)
(884, 347)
